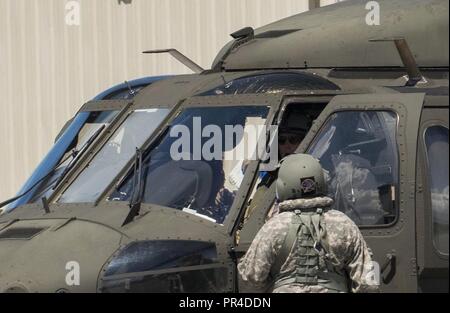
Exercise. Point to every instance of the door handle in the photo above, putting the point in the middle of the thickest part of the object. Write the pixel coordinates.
(389, 265)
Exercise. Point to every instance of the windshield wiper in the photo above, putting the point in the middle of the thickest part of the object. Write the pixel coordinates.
(76, 153)
(136, 191)
(138, 186)
(73, 155)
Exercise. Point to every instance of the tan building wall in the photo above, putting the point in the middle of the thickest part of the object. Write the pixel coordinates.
(328, 2)
(48, 68)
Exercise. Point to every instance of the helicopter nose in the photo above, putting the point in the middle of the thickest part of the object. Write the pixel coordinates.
(54, 255)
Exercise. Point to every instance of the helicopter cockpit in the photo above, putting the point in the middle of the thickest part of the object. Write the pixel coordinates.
(199, 177)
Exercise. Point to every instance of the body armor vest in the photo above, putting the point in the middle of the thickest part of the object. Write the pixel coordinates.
(312, 263)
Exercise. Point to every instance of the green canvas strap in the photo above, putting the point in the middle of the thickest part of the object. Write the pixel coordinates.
(299, 219)
(307, 220)
(310, 224)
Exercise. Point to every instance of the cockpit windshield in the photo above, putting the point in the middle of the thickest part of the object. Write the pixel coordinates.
(68, 148)
(197, 167)
(114, 155)
(96, 122)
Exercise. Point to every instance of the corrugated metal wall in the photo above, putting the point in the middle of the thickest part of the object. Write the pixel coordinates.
(328, 2)
(48, 68)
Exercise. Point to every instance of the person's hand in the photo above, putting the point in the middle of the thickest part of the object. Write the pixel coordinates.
(224, 198)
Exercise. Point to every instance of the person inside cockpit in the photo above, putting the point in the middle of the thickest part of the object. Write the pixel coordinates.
(291, 132)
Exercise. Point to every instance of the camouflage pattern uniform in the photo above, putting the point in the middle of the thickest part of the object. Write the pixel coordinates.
(347, 247)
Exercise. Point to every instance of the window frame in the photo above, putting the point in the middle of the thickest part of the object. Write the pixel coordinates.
(184, 109)
(397, 185)
(408, 108)
(428, 183)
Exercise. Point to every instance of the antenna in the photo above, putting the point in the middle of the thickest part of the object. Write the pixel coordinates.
(408, 59)
(180, 57)
(130, 89)
(246, 32)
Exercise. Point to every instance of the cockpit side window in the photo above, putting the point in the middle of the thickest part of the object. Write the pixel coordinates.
(359, 152)
(436, 142)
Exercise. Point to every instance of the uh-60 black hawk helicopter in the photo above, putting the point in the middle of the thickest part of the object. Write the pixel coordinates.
(110, 202)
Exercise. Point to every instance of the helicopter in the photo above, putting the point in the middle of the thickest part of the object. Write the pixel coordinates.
(109, 210)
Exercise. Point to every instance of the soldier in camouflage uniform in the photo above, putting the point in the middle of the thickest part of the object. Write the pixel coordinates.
(307, 247)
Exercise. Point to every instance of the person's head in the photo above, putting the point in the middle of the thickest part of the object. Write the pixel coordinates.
(288, 142)
(300, 176)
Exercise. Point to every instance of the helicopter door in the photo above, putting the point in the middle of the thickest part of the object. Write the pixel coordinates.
(367, 144)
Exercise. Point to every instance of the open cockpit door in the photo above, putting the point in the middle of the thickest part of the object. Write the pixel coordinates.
(367, 144)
